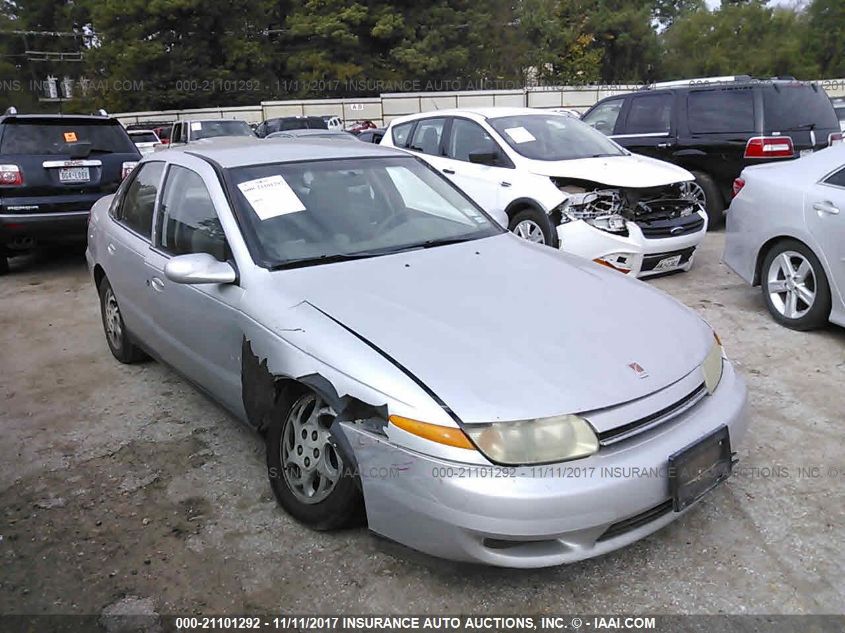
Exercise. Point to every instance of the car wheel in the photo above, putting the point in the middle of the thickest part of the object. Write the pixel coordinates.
(117, 337)
(714, 204)
(535, 226)
(308, 476)
(795, 287)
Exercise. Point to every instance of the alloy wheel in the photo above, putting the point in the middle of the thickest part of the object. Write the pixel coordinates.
(693, 191)
(791, 284)
(531, 231)
(310, 463)
(113, 323)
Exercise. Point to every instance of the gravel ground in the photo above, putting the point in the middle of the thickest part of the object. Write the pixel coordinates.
(124, 485)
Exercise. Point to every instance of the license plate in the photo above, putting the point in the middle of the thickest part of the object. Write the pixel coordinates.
(804, 152)
(668, 263)
(697, 469)
(74, 174)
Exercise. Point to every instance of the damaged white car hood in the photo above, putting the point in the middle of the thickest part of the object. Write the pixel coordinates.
(501, 329)
(631, 170)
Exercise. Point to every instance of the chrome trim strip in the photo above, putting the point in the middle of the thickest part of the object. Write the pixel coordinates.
(59, 215)
(644, 134)
(48, 164)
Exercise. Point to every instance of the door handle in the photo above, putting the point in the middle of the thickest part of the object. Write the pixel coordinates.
(451, 172)
(826, 207)
(111, 249)
(156, 284)
(504, 183)
(664, 145)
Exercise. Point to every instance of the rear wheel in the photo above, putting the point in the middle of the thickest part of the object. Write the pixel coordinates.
(117, 337)
(714, 204)
(795, 287)
(307, 473)
(533, 225)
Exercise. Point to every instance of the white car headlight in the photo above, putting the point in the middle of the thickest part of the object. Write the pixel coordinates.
(544, 440)
(713, 365)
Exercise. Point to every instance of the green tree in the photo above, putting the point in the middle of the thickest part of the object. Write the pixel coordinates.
(825, 36)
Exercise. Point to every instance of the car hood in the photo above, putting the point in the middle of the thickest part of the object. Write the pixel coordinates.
(631, 170)
(501, 329)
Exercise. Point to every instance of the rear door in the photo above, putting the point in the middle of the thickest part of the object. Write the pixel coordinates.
(824, 210)
(646, 125)
(66, 163)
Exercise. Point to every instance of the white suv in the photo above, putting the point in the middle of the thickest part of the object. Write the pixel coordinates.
(554, 180)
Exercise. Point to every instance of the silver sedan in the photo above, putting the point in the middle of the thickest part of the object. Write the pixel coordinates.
(410, 363)
(786, 233)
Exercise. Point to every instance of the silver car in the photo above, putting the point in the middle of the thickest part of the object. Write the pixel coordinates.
(409, 362)
(786, 233)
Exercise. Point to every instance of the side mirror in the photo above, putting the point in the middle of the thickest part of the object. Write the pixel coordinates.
(484, 158)
(199, 268)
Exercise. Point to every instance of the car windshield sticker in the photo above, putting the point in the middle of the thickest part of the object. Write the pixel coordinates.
(520, 135)
(196, 126)
(271, 197)
(70, 137)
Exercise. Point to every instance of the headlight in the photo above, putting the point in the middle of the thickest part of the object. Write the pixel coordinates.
(545, 440)
(712, 366)
(610, 223)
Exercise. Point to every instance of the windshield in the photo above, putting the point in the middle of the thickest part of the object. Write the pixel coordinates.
(553, 137)
(56, 137)
(322, 211)
(211, 129)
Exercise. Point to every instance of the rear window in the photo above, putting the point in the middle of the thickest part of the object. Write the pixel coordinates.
(213, 129)
(840, 112)
(146, 137)
(797, 106)
(56, 136)
(721, 111)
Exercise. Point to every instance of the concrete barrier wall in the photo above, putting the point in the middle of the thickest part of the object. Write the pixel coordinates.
(381, 110)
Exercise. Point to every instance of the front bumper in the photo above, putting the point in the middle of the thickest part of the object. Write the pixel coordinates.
(643, 254)
(540, 516)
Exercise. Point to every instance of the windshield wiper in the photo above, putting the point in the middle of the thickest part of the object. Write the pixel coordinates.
(445, 241)
(320, 259)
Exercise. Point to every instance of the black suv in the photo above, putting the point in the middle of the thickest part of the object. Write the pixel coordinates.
(52, 170)
(284, 123)
(716, 127)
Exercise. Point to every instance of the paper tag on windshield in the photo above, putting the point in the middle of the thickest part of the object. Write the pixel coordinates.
(271, 197)
(519, 135)
(196, 126)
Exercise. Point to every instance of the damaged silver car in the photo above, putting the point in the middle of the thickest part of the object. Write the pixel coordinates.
(410, 363)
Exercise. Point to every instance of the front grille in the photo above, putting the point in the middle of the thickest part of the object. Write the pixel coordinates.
(651, 261)
(632, 523)
(671, 228)
(636, 427)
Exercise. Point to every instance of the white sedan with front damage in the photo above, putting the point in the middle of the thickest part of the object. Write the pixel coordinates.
(554, 180)
(393, 345)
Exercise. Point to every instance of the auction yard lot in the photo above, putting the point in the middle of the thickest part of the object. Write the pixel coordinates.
(123, 484)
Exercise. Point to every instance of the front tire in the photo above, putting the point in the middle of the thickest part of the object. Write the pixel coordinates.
(307, 473)
(117, 336)
(535, 226)
(795, 287)
(714, 204)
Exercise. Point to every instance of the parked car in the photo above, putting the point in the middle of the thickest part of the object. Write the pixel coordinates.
(189, 131)
(786, 233)
(163, 133)
(52, 169)
(552, 179)
(285, 123)
(715, 127)
(839, 108)
(338, 135)
(378, 344)
(145, 140)
(373, 135)
(359, 126)
(333, 122)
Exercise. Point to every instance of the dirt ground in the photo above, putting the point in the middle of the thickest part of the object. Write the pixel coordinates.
(124, 483)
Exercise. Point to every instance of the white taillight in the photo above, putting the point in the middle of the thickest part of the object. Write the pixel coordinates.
(834, 138)
(127, 168)
(769, 147)
(10, 175)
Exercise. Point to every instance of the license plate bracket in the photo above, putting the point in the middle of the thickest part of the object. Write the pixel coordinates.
(668, 263)
(697, 469)
(74, 174)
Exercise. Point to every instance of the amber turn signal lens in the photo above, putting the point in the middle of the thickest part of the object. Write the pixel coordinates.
(433, 432)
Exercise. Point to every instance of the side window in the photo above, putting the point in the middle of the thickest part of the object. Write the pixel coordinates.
(467, 137)
(837, 179)
(721, 111)
(603, 117)
(427, 136)
(400, 133)
(176, 134)
(187, 221)
(136, 210)
(649, 114)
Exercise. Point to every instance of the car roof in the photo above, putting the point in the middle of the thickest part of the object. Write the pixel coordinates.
(58, 117)
(492, 112)
(140, 131)
(242, 151)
